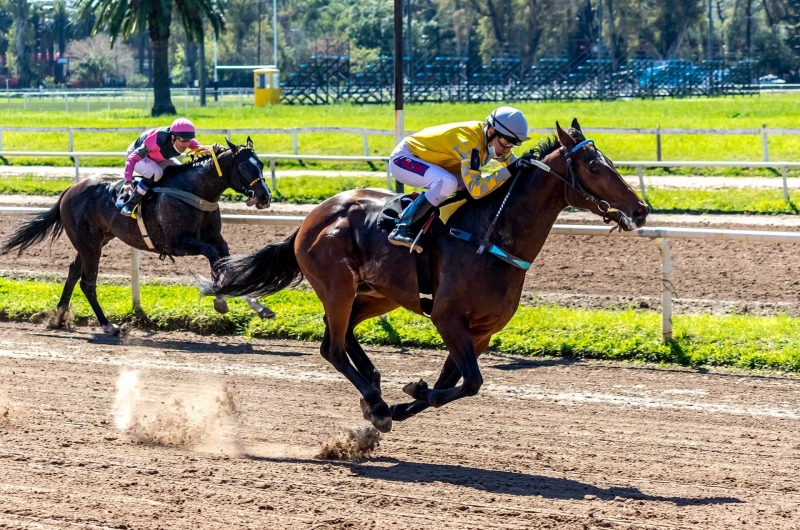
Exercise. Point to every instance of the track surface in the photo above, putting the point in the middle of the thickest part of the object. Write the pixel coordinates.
(546, 444)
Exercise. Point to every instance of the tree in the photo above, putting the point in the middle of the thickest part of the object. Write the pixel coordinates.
(21, 12)
(127, 17)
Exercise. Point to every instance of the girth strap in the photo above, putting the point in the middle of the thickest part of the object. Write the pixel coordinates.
(190, 199)
(137, 213)
(493, 249)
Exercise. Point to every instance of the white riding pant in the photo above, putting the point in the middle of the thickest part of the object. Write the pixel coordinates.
(150, 169)
(414, 171)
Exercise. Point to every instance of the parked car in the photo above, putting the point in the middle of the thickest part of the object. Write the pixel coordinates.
(770, 79)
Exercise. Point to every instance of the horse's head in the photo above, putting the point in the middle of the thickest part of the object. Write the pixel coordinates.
(596, 184)
(247, 175)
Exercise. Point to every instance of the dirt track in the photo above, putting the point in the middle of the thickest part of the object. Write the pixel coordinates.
(546, 444)
(611, 271)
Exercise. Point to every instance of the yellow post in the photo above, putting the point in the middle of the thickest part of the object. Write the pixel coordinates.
(266, 83)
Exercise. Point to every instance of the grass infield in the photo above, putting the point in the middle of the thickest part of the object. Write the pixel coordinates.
(774, 110)
(743, 341)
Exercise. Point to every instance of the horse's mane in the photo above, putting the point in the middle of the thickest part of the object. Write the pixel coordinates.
(195, 162)
(550, 143)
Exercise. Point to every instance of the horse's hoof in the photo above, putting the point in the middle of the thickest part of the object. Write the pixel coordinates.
(365, 409)
(416, 390)
(266, 313)
(382, 423)
(111, 329)
(220, 305)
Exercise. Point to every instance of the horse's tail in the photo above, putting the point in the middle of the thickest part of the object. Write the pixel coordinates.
(36, 230)
(262, 273)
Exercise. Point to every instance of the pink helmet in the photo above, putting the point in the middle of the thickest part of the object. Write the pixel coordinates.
(182, 128)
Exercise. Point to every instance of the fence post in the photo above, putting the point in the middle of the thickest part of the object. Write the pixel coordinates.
(658, 143)
(640, 172)
(666, 288)
(389, 178)
(66, 103)
(366, 143)
(136, 293)
(228, 134)
(294, 143)
(272, 170)
(88, 100)
(765, 142)
(785, 184)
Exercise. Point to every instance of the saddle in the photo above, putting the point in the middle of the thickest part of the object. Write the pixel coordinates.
(192, 200)
(432, 228)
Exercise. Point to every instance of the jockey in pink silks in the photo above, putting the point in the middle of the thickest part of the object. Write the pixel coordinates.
(154, 150)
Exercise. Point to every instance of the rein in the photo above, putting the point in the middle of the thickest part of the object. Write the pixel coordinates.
(571, 182)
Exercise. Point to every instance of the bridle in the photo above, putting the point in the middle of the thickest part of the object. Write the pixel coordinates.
(572, 181)
(249, 189)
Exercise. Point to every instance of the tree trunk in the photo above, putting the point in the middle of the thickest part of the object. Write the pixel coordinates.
(158, 27)
(23, 66)
(202, 70)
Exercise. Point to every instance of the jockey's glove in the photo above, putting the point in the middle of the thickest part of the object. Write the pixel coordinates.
(524, 161)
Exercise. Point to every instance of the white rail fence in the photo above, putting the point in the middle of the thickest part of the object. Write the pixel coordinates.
(656, 132)
(75, 100)
(659, 236)
(639, 165)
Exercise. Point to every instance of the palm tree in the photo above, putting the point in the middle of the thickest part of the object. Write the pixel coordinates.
(127, 17)
(21, 12)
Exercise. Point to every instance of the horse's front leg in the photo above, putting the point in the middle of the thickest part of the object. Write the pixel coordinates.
(456, 335)
(220, 302)
(190, 246)
(448, 378)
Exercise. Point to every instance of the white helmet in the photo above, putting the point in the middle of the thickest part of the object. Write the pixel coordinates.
(509, 123)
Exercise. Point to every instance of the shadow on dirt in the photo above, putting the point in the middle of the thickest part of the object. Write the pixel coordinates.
(187, 346)
(493, 481)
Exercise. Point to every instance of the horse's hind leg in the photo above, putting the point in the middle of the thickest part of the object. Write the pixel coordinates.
(338, 299)
(365, 307)
(75, 269)
(91, 263)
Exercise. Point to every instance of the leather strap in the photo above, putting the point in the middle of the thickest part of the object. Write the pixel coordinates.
(137, 211)
(190, 199)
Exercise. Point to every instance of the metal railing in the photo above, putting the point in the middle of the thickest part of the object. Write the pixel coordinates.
(659, 236)
(638, 165)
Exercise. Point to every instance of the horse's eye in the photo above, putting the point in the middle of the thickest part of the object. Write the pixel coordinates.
(593, 169)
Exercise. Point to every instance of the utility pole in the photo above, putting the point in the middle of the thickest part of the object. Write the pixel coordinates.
(275, 33)
(258, 48)
(399, 127)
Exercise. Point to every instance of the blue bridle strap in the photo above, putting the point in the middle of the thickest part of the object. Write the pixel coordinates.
(581, 145)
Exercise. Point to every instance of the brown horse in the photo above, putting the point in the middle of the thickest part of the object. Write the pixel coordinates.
(357, 274)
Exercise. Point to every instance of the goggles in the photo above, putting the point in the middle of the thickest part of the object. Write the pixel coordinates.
(506, 142)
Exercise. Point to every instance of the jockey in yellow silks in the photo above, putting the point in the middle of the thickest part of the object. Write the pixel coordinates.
(446, 158)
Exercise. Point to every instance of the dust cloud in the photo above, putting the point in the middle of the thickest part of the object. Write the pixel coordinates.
(204, 420)
(352, 443)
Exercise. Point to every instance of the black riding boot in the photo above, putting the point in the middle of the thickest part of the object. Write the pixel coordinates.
(402, 235)
(128, 207)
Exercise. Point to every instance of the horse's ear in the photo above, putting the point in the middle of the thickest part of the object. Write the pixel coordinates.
(575, 125)
(249, 142)
(565, 139)
(231, 146)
